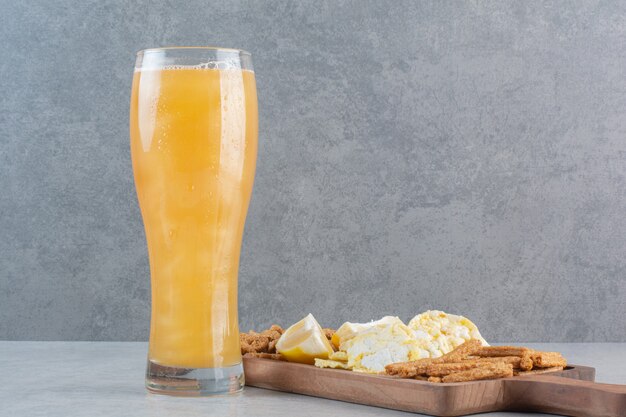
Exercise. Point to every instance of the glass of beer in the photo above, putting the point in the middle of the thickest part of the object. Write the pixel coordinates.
(193, 137)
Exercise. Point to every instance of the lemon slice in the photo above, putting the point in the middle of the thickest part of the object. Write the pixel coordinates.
(304, 341)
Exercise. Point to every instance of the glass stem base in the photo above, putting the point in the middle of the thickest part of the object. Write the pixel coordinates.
(194, 382)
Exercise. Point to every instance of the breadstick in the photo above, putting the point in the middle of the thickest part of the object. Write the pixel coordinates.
(419, 367)
(548, 359)
(538, 371)
(513, 360)
(499, 370)
(411, 369)
(443, 369)
(491, 351)
(526, 361)
(462, 351)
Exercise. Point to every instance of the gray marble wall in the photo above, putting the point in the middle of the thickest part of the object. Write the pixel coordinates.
(466, 156)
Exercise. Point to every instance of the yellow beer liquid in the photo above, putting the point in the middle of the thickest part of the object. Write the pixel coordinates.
(194, 145)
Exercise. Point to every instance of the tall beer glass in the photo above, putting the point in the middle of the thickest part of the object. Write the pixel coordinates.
(193, 134)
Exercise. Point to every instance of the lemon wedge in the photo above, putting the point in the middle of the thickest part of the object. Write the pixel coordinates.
(304, 341)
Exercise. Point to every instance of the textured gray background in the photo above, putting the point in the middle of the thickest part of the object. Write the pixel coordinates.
(467, 156)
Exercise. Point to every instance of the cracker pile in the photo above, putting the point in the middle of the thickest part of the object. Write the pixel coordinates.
(472, 362)
(261, 345)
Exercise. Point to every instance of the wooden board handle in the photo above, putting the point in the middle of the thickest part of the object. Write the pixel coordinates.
(564, 396)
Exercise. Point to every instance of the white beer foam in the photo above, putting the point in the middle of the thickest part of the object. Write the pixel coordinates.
(227, 64)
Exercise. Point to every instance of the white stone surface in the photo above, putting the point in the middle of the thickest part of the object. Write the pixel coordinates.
(73, 379)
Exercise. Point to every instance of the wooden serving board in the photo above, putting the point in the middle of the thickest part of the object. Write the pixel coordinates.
(570, 392)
